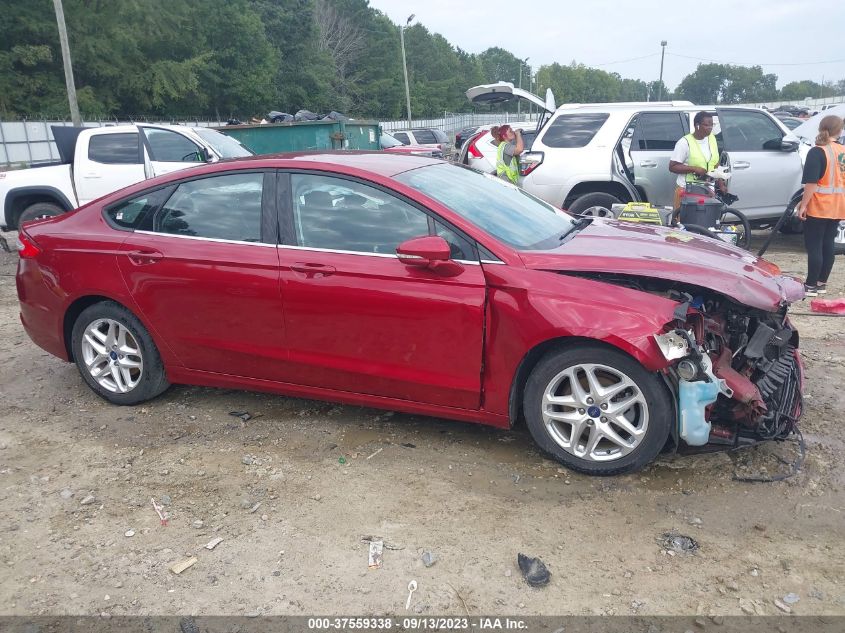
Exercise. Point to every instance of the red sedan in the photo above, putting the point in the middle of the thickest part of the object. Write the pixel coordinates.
(411, 284)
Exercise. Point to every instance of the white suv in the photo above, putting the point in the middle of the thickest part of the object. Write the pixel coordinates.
(587, 157)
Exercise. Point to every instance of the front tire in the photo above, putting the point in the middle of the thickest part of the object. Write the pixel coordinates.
(116, 356)
(597, 410)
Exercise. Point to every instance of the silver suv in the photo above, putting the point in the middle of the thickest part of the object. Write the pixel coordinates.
(587, 157)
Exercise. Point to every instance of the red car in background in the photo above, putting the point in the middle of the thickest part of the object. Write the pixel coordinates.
(412, 284)
(394, 146)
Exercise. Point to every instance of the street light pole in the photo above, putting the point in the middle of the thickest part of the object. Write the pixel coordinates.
(405, 68)
(71, 88)
(522, 63)
(662, 53)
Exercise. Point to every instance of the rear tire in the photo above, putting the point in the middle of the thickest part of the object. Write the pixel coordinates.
(617, 422)
(116, 356)
(793, 226)
(594, 205)
(39, 210)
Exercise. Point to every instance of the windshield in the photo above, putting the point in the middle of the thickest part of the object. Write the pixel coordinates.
(501, 209)
(225, 146)
(388, 141)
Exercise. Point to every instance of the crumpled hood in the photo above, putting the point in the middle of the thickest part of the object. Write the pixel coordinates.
(608, 246)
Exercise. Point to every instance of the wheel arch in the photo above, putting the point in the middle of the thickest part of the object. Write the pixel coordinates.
(535, 354)
(72, 313)
(17, 200)
(601, 186)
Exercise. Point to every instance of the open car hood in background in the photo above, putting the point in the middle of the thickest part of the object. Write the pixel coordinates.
(809, 129)
(65, 138)
(504, 92)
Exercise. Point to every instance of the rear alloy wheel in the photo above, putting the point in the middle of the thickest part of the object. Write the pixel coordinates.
(596, 410)
(597, 205)
(116, 355)
(39, 210)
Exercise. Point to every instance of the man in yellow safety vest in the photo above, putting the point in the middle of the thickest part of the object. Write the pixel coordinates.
(695, 154)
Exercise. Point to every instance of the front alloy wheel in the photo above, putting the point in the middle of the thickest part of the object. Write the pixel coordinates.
(597, 410)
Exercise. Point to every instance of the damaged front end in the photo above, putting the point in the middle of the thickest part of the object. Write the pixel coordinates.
(735, 370)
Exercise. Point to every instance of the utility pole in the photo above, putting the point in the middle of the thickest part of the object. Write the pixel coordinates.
(522, 63)
(405, 68)
(662, 53)
(71, 88)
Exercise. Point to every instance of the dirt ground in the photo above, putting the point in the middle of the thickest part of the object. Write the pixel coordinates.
(77, 475)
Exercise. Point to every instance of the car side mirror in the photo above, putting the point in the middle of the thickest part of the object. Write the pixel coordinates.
(789, 146)
(422, 252)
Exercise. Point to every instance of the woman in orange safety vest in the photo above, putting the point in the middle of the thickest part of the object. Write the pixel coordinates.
(823, 203)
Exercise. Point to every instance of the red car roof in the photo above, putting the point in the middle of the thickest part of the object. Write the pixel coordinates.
(381, 163)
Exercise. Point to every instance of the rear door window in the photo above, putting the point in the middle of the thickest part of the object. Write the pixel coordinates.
(573, 130)
(402, 138)
(226, 207)
(425, 137)
(658, 131)
(115, 149)
(748, 131)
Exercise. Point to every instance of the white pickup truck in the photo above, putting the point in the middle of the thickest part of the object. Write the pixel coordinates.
(97, 161)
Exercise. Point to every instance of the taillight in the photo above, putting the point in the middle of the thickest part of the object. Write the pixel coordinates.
(530, 161)
(27, 248)
(472, 150)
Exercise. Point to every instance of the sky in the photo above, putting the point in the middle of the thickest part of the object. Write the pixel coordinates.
(784, 37)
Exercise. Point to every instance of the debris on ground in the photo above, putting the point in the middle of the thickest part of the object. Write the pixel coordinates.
(678, 543)
(412, 587)
(780, 605)
(376, 453)
(375, 556)
(428, 558)
(387, 544)
(255, 507)
(160, 512)
(243, 415)
(178, 568)
(66, 494)
(214, 543)
(88, 500)
(129, 533)
(791, 598)
(533, 570)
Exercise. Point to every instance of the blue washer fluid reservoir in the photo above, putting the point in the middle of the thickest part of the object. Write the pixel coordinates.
(693, 398)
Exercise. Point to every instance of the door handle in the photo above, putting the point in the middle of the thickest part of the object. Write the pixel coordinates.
(312, 271)
(92, 174)
(741, 164)
(648, 163)
(144, 258)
